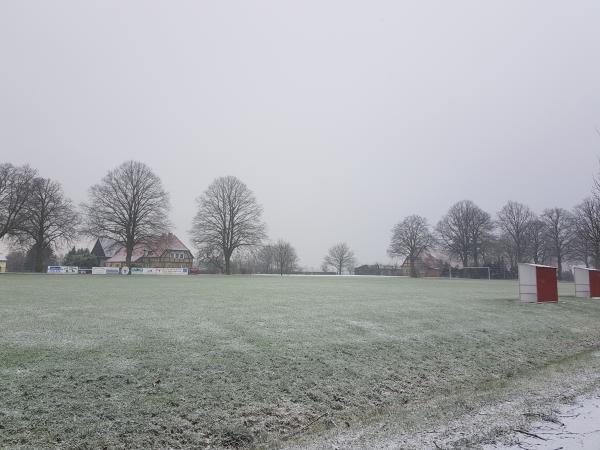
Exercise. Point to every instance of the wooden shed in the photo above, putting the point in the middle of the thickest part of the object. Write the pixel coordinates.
(587, 282)
(537, 283)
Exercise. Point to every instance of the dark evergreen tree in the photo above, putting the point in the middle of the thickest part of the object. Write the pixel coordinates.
(80, 257)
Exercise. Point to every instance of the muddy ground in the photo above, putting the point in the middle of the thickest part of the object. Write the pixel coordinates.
(557, 407)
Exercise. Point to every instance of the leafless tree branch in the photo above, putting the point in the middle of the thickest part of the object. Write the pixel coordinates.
(128, 206)
(228, 218)
(410, 238)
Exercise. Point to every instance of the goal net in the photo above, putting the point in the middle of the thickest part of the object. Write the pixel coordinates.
(476, 273)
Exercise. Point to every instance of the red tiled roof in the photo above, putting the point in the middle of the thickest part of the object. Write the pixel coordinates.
(153, 249)
(426, 259)
(109, 246)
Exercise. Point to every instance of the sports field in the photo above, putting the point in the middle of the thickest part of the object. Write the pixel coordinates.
(210, 361)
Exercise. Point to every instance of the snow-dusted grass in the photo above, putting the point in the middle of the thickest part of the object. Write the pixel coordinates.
(158, 362)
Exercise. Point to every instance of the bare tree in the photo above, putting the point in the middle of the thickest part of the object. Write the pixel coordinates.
(596, 186)
(50, 220)
(128, 206)
(515, 219)
(454, 233)
(244, 260)
(464, 230)
(580, 249)
(587, 223)
(506, 251)
(15, 189)
(228, 218)
(482, 228)
(410, 238)
(265, 259)
(560, 230)
(285, 257)
(538, 241)
(211, 258)
(585, 243)
(340, 257)
(351, 266)
(15, 261)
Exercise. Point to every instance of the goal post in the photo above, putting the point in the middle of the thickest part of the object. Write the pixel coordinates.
(482, 272)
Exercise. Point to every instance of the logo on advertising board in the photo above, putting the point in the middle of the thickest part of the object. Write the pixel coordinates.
(63, 269)
(159, 271)
(133, 270)
(105, 271)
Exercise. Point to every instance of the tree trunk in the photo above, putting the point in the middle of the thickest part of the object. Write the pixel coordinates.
(475, 258)
(39, 259)
(559, 264)
(128, 258)
(227, 263)
(413, 269)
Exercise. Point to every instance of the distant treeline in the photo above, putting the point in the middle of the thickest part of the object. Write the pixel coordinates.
(130, 206)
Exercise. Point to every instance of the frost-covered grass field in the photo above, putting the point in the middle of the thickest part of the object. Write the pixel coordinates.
(149, 362)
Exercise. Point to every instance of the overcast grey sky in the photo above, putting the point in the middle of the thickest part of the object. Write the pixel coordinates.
(342, 116)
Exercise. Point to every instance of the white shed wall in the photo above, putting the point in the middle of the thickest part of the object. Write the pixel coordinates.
(582, 282)
(527, 283)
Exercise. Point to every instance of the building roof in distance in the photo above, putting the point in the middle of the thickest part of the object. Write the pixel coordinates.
(154, 248)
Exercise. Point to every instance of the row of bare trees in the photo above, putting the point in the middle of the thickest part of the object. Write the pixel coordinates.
(130, 206)
(469, 235)
(279, 257)
(34, 212)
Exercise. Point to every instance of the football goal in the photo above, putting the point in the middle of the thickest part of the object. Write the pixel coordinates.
(476, 273)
